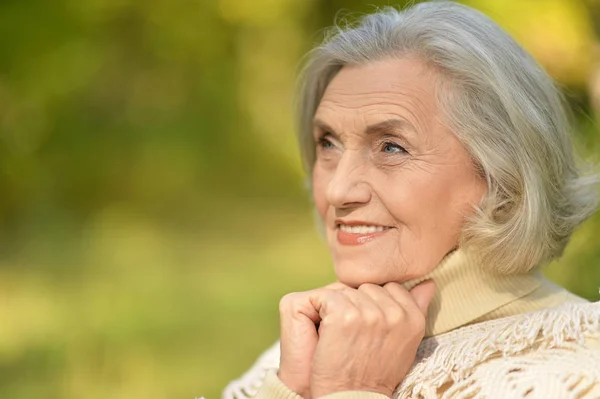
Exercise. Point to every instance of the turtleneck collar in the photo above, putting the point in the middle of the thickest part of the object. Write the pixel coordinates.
(466, 291)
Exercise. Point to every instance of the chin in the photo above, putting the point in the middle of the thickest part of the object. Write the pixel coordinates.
(354, 273)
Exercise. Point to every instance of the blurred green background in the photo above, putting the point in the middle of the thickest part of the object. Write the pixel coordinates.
(153, 211)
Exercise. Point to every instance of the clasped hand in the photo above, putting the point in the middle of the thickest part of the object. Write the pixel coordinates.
(338, 338)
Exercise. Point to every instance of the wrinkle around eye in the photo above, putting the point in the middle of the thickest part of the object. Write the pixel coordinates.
(391, 160)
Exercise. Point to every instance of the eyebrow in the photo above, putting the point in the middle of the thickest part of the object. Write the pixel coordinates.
(394, 125)
(391, 125)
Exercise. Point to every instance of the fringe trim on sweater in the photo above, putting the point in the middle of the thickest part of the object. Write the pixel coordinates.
(454, 357)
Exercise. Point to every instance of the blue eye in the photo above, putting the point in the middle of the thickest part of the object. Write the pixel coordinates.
(325, 144)
(392, 148)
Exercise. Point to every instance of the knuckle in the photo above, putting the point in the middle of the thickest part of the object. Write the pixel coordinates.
(287, 302)
(371, 318)
(336, 286)
(367, 287)
(395, 315)
(351, 317)
(394, 289)
(391, 285)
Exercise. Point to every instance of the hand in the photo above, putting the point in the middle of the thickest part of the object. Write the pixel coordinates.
(367, 339)
(299, 337)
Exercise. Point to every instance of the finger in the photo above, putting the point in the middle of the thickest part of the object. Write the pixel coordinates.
(370, 311)
(298, 303)
(302, 303)
(379, 295)
(392, 311)
(423, 294)
(402, 296)
(328, 302)
(299, 339)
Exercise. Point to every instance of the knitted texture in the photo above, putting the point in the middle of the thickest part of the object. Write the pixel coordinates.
(542, 354)
(550, 353)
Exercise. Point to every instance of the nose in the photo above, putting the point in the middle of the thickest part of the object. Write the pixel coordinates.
(349, 187)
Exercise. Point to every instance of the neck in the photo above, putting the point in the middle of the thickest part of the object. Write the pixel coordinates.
(466, 291)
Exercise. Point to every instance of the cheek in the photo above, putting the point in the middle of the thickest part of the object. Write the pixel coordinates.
(319, 191)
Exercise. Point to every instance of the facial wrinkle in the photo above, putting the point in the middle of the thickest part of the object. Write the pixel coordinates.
(420, 193)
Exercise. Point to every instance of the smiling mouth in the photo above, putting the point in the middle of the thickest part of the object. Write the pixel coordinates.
(361, 229)
(359, 234)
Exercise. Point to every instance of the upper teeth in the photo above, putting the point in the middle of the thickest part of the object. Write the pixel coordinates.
(361, 229)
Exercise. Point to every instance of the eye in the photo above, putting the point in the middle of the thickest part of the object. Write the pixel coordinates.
(392, 148)
(325, 143)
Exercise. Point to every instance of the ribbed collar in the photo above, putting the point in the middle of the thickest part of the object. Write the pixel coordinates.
(466, 291)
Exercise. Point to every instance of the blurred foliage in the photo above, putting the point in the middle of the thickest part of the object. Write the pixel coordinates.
(153, 210)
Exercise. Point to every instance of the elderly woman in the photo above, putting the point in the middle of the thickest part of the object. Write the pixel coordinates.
(443, 174)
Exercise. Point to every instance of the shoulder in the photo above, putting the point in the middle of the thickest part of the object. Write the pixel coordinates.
(556, 349)
(250, 382)
(566, 371)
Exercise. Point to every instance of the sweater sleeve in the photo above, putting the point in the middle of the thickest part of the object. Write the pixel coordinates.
(273, 388)
(355, 395)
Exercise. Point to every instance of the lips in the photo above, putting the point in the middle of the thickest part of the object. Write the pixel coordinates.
(359, 233)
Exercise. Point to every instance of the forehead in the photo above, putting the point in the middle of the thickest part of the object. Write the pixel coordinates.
(399, 87)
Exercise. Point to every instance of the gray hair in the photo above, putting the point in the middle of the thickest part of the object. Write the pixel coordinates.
(502, 106)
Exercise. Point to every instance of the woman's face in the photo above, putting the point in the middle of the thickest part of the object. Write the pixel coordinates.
(392, 184)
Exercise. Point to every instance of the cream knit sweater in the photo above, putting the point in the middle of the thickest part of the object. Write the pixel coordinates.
(487, 336)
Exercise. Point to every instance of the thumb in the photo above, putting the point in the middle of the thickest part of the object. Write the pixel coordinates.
(422, 293)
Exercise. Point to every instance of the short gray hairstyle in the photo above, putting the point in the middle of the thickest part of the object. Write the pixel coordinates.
(501, 105)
